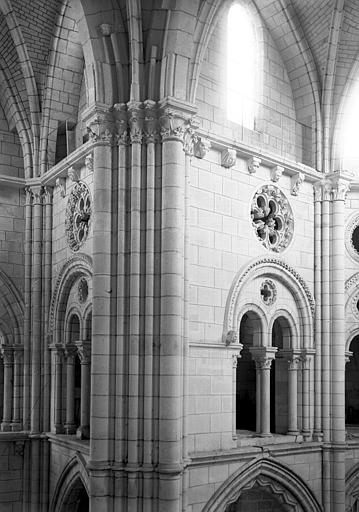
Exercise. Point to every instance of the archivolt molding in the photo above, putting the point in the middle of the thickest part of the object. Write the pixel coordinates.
(278, 269)
(81, 264)
(352, 223)
(283, 483)
(75, 468)
(351, 486)
(14, 305)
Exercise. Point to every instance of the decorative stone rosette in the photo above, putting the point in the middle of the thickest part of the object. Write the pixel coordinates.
(272, 218)
(78, 216)
(268, 292)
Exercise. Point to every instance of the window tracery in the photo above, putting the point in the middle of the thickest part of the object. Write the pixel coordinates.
(78, 216)
(272, 218)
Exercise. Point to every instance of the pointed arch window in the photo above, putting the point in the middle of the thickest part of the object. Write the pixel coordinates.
(242, 67)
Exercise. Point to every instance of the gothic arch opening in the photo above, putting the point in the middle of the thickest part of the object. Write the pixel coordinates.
(257, 498)
(249, 335)
(352, 385)
(77, 499)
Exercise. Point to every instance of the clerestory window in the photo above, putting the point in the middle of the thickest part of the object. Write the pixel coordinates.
(242, 73)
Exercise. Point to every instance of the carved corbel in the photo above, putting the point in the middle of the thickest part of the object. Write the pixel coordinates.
(296, 182)
(253, 164)
(201, 147)
(61, 185)
(232, 337)
(89, 162)
(73, 174)
(276, 173)
(228, 158)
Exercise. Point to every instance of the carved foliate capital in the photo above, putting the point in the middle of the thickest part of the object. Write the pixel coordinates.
(326, 190)
(28, 196)
(263, 356)
(36, 192)
(70, 353)
(318, 191)
(48, 193)
(100, 125)
(340, 182)
(296, 181)
(135, 120)
(121, 123)
(306, 358)
(151, 132)
(57, 351)
(293, 358)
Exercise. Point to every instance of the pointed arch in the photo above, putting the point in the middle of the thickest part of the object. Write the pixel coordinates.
(267, 473)
(74, 473)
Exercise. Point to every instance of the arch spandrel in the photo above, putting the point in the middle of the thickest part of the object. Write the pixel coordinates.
(276, 477)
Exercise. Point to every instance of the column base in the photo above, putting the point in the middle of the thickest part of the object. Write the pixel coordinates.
(16, 426)
(265, 435)
(83, 432)
(6, 426)
(307, 435)
(293, 433)
(318, 436)
(59, 429)
(70, 428)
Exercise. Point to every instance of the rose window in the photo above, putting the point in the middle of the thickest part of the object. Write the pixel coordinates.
(78, 215)
(272, 218)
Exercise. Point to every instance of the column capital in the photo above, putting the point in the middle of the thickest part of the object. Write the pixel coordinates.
(7, 353)
(70, 353)
(48, 194)
(84, 351)
(293, 358)
(100, 123)
(151, 132)
(307, 357)
(121, 123)
(340, 182)
(57, 350)
(176, 117)
(322, 190)
(36, 194)
(263, 356)
(135, 120)
(18, 352)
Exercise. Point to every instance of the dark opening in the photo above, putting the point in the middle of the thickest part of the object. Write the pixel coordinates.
(355, 238)
(246, 380)
(83, 505)
(352, 385)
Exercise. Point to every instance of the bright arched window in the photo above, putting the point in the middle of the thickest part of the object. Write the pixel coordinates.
(242, 76)
(349, 136)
